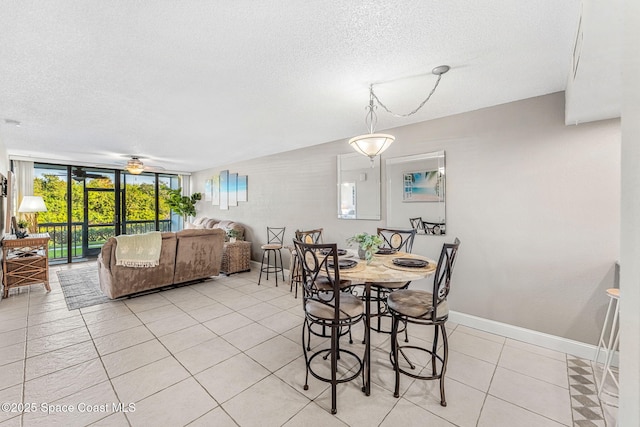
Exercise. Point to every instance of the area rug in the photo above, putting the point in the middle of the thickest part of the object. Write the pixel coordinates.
(81, 288)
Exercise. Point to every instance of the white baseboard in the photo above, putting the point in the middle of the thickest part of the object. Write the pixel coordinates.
(552, 342)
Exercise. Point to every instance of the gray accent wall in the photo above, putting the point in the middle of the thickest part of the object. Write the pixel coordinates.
(535, 203)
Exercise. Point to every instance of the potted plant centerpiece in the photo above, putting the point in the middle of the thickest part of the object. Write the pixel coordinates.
(183, 205)
(368, 245)
(233, 235)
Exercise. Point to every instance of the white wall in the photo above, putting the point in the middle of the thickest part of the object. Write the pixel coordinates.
(536, 205)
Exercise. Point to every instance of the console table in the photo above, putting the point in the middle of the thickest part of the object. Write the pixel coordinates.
(236, 257)
(25, 261)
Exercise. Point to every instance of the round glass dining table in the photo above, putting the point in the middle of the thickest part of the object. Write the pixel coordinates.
(381, 269)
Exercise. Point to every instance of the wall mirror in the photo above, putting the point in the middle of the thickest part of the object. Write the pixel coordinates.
(358, 187)
(416, 192)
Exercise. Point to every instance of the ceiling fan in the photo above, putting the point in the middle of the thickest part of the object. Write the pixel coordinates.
(135, 166)
(79, 174)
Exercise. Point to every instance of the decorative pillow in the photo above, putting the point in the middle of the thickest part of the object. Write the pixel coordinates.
(192, 226)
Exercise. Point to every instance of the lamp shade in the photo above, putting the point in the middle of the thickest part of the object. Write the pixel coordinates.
(135, 166)
(32, 204)
(371, 144)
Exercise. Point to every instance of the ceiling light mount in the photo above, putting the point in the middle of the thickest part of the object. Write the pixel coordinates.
(373, 144)
(135, 166)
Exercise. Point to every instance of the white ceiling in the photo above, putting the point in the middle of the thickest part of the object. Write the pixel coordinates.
(190, 85)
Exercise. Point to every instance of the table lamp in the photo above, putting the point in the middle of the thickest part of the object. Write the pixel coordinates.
(30, 206)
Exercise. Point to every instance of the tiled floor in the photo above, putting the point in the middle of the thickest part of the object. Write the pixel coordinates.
(227, 352)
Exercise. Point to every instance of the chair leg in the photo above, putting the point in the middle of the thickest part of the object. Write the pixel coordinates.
(305, 348)
(334, 369)
(394, 351)
(445, 358)
(434, 349)
(262, 266)
(281, 265)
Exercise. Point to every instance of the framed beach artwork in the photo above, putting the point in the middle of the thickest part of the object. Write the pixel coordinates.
(208, 190)
(224, 190)
(233, 189)
(423, 186)
(242, 188)
(215, 190)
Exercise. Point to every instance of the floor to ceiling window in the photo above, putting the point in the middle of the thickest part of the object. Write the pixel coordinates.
(86, 206)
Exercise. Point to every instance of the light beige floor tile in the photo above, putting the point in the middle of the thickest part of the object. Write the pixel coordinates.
(498, 413)
(197, 359)
(13, 324)
(11, 395)
(143, 382)
(134, 357)
(536, 366)
(89, 405)
(56, 360)
(535, 395)
(227, 379)
(52, 303)
(230, 322)
(146, 302)
(275, 353)
(106, 328)
(268, 294)
(217, 418)
(210, 312)
(470, 371)
(54, 327)
(186, 338)
(260, 311)
(474, 346)
(282, 322)
(48, 316)
(110, 305)
(286, 302)
(383, 374)
(13, 337)
(481, 334)
(12, 353)
(194, 303)
(57, 341)
(11, 374)
(182, 293)
(407, 414)
(117, 419)
(357, 409)
(536, 349)
(314, 416)
(121, 340)
(171, 324)
(159, 313)
(65, 382)
(272, 403)
(242, 302)
(463, 402)
(249, 336)
(222, 294)
(112, 314)
(11, 313)
(186, 401)
(294, 374)
(294, 334)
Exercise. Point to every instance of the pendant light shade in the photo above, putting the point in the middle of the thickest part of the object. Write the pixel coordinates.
(371, 144)
(135, 166)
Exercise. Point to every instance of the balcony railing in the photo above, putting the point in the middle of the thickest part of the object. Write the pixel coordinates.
(97, 235)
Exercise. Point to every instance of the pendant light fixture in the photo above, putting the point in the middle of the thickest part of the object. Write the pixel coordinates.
(135, 166)
(373, 144)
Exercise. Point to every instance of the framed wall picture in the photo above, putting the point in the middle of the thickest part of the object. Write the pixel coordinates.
(215, 190)
(208, 189)
(224, 190)
(233, 189)
(242, 188)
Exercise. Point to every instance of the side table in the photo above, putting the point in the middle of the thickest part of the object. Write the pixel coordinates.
(25, 261)
(236, 257)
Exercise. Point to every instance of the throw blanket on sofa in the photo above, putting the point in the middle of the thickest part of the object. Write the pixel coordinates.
(139, 250)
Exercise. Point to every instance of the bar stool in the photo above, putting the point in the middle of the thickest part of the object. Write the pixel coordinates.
(275, 237)
(609, 344)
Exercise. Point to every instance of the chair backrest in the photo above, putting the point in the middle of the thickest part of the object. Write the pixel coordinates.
(402, 240)
(275, 235)
(310, 236)
(318, 261)
(444, 270)
(436, 228)
(417, 223)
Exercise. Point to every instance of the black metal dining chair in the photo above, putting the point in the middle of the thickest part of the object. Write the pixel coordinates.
(328, 308)
(425, 308)
(295, 271)
(275, 238)
(397, 240)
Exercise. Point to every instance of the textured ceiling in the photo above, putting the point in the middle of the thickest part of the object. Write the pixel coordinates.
(189, 85)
